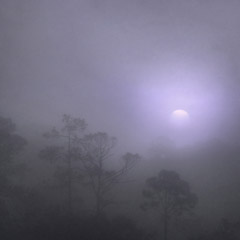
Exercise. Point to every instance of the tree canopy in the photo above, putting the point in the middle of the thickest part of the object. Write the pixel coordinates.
(169, 194)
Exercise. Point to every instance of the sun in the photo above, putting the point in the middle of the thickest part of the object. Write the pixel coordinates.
(180, 117)
(180, 113)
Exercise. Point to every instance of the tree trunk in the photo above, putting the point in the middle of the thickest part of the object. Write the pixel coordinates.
(165, 225)
(98, 206)
(69, 178)
(99, 190)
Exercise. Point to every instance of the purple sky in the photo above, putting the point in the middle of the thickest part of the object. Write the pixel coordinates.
(122, 65)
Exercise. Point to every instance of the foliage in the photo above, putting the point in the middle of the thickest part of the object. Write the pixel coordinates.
(169, 194)
(168, 191)
(10, 143)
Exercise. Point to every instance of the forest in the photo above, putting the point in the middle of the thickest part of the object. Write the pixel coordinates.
(119, 120)
(75, 186)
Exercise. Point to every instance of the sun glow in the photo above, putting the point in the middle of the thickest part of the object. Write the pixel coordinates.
(180, 117)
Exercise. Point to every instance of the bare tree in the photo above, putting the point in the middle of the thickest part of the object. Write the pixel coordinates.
(96, 149)
(63, 153)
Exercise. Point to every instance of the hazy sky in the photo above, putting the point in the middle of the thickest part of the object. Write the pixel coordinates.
(122, 65)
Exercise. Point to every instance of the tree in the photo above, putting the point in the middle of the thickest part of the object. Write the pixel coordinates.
(170, 195)
(63, 153)
(96, 150)
(10, 145)
(227, 230)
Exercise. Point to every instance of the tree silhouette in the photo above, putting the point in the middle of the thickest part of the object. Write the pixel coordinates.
(96, 149)
(170, 195)
(10, 145)
(63, 153)
(10, 142)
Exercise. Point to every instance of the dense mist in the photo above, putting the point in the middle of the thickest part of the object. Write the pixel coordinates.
(119, 119)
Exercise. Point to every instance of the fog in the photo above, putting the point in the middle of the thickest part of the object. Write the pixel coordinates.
(125, 67)
(125, 64)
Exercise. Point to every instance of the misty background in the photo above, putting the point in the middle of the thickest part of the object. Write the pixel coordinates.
(125, 66)
(122, 65)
